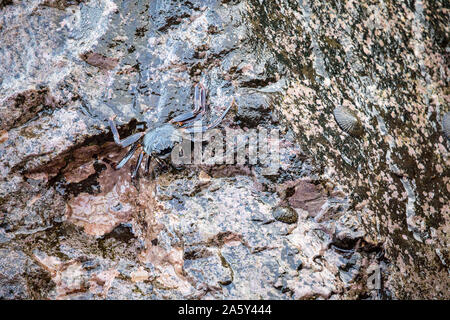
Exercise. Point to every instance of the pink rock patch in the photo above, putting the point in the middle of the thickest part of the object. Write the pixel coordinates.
(308, 196)
(100, 213)
(100, 61)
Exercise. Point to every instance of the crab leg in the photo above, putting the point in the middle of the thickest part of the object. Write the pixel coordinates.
(127, 156)
(199, 98)
(127, 141)
(211, 125)
(188, 123)
(160, 162)
(147, 164)
(136, 170)
(199, 106)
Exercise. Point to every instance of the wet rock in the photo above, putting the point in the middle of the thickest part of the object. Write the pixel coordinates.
(30, 208)
(245, 239)
(22, 107)
(43, 142)
(210, 271)
(402, 141)
(205, 231)
(101, 212)
(253, 109)
(12, 268)
(184, 235)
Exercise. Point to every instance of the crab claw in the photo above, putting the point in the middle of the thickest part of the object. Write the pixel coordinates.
(199, 106)
(183, 117)
(213, 124)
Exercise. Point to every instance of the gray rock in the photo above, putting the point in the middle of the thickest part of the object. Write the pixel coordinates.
(72, 227)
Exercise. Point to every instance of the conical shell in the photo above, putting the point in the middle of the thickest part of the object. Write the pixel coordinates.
(348, 121)
(285, 214)
(446, 125)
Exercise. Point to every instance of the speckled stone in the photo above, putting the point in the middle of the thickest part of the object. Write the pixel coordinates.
(384, 60)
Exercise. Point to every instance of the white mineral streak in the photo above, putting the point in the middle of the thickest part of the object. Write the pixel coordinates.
(446, 125)
(410, 208)
(318, 63)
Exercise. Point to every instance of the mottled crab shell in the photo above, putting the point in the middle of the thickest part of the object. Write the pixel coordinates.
(446, 125)
(348, 121)
(161, 140)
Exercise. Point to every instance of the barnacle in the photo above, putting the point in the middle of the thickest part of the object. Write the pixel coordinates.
(285, 214)
(348, 121)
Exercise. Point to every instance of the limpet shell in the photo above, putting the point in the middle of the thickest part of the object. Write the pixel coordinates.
(348, 121)
(285, 214)
(446, 125)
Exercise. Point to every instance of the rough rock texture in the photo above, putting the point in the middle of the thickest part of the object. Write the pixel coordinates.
(340, 207)
(388, 63)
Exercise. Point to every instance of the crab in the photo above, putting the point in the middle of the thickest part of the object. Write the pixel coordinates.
(159, 142)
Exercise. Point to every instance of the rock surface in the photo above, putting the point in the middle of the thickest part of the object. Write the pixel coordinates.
(340, 209)
(387, 64)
